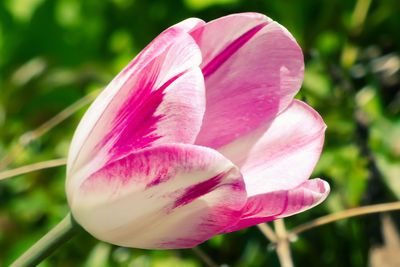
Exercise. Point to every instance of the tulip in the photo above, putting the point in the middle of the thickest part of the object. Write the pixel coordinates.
(198, 135)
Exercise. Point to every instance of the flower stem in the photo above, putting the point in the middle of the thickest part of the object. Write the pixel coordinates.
(60, 234)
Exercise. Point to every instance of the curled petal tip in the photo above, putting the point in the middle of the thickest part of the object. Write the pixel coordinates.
(282, 203)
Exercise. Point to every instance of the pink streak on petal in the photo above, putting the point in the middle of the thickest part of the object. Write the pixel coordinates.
(221, 58)
(164, 197)
(251, 76)
(102, 102)
(162, 88)
(134, 126)
(195, 191)
(216, 35)
(283, 203)
(280, 155)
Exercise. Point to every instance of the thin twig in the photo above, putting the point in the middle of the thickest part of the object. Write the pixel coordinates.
(32, 167)
(268, 232)
(283, 245)
(204, 257)
(43, 248)
(345, 214)
(64, 114)
(30, 136)
(9, 157)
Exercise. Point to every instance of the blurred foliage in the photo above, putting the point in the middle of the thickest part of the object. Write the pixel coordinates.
(52, 53)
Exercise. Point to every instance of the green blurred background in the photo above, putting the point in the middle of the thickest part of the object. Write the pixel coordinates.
(53, 53)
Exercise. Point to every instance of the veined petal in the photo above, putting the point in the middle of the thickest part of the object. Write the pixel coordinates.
(282, 154)
(252, 72)
(158, 98)
(279, 204)
(164, 197)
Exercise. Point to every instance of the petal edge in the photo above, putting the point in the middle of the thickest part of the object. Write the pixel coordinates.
(170, 196)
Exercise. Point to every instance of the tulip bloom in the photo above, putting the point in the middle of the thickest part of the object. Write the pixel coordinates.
(199, 135)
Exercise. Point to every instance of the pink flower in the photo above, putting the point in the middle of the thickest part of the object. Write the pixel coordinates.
(199, 135)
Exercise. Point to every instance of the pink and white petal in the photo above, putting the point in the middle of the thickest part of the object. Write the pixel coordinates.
(212, 43)
(161, 88)
(279, 204)
(164, 197)
(95, 111)
(252, 72)
(280, 155)
(189, 24)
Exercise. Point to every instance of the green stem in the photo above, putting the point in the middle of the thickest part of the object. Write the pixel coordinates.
(57, 236)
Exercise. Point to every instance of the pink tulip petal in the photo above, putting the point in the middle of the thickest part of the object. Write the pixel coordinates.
(189, 24)
(252, 67)
(280, 155)
(164, 197)
(278, 204)
(212, 42)
(158, 98)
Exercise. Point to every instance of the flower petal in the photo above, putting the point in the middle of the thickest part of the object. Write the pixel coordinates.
(278, 204)
(252, 72)
(158, 98)
(280, 155)
(170, 196)
(189, 24)
(212, 43)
